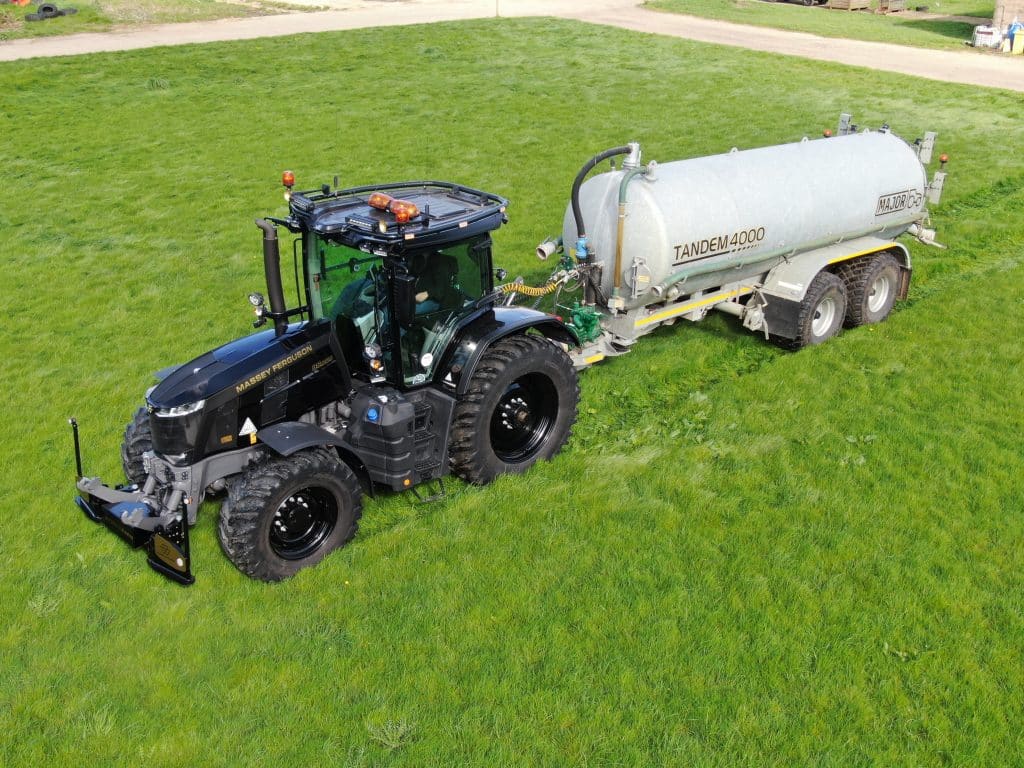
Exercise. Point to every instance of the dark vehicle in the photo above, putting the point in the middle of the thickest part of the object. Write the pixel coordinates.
(402, 364)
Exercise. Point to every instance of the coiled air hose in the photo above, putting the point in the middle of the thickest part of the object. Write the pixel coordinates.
(528, 290)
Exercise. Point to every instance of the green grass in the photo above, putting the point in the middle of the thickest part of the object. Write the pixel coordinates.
(102, 15)
(744, 557)
(898, 28)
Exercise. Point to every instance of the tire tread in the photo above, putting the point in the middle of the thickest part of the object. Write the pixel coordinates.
(463, 442)
(250, 495)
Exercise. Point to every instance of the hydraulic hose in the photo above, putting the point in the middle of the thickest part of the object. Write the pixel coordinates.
(588, 166)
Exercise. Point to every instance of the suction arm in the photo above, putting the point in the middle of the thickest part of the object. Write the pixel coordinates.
(581, 233)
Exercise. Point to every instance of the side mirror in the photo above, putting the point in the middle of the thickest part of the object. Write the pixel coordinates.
(405, 300)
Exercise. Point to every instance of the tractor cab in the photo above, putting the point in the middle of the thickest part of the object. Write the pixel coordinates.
(395, 269)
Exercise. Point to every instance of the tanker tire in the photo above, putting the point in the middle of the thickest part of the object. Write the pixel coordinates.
(312, 490)
(871, 288)
(138, 438)
(519, 408)
(821, 312)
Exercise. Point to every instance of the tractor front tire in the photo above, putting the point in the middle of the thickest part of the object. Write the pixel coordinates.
(286, 513)
(871, 287)
(138, 438)
(519, 408)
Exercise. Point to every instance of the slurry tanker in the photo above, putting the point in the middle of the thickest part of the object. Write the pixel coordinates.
(410, 357)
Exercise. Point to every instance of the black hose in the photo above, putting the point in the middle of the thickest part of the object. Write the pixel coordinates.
(587, 168)
(272, 268)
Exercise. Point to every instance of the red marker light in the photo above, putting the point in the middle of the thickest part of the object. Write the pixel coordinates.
(827, 133)
(943, 158)
(288, 179)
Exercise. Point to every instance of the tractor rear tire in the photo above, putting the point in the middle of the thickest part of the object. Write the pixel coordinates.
(871, 287)
(286, 513)
(138, 438)
(821, 312)
(519, 408)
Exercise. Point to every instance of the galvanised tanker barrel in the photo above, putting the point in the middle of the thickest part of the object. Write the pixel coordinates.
(738, 210)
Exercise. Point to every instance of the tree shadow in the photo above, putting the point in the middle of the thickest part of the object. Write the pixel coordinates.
(958, 30)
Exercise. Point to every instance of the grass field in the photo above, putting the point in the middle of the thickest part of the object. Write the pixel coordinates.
(744, 557)
(899, 28)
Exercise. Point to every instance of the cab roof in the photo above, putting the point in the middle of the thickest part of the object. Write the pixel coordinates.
(444, 213)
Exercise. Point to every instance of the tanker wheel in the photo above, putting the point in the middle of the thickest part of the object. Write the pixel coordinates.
(288, 512)
(871, 285)
(821, 312)
(138, 438)
(519, 408)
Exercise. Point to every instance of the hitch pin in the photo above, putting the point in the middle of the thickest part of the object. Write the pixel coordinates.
(78, 451)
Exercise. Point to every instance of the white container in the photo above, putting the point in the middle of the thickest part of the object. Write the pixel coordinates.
(726, 210)
(986, 37)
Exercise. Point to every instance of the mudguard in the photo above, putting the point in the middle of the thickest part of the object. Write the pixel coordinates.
(790, 279)
(474, 337)
(291, 437)
(787, 283)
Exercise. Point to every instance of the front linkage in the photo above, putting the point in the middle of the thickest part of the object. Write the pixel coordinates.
(140, 518)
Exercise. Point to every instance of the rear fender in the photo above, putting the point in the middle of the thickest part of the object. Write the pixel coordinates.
(473, 339)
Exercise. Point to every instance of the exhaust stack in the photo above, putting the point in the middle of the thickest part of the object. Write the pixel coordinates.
(272, 268)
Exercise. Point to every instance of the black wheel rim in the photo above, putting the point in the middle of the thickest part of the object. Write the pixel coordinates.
(523, 418)
(303, 522)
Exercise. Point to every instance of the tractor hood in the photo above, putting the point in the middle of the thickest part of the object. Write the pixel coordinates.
(241, 363)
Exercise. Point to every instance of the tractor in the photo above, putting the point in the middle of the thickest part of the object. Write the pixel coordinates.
(402, 363)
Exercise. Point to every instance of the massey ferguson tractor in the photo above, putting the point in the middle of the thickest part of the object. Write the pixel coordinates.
(408, 359)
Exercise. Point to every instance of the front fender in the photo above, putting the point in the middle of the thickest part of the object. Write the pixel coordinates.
(472, 340)
(290, 437)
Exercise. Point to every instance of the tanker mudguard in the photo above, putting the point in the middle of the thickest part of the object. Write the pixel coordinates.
(791, 277)
(496, 323)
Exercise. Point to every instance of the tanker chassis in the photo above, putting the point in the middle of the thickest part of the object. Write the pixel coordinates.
(408, 358)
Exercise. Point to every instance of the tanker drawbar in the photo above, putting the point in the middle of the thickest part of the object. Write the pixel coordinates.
(797, 240)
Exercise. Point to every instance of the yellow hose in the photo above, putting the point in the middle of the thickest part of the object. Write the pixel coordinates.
(528, 290)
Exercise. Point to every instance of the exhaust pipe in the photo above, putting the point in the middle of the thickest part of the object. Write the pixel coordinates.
(272, 268)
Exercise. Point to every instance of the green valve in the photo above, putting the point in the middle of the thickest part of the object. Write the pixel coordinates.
(586, 322)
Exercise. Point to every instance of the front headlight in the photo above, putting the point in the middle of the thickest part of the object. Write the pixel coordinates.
(179, 410)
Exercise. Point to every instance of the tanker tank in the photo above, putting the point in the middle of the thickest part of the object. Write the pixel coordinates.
(704, 221)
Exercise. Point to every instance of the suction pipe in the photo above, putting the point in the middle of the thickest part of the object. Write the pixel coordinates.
(630, 174)
(581, 232)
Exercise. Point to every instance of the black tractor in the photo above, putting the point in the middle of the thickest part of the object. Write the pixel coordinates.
(403, 363)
